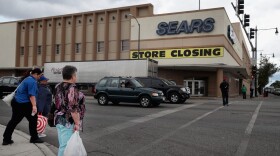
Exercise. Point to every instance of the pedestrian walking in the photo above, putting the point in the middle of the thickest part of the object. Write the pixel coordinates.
(251, 91)
(24, 105)
(244, 90)
(224, 86)
(69, 108)
(44, 99)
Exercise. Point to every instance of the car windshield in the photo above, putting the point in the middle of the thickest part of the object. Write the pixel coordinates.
(136, 83)
(167, 82)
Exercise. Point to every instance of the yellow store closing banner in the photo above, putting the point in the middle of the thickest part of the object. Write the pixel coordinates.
(179, 53)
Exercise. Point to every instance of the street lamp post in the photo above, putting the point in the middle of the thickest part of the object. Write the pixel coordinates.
(256, 43)
(138, 34)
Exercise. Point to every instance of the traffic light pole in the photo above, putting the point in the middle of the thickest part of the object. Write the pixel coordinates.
(256, 57)
(247, 34)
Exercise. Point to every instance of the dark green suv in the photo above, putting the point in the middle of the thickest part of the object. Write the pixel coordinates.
(119, 89)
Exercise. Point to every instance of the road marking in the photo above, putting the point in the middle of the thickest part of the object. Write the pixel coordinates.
(173, 132)
(118, 127)
(244, 143)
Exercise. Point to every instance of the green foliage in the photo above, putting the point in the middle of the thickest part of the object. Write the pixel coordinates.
(276, 84)
(266, 70)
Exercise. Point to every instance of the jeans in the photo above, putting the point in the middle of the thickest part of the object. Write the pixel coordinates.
(64, 135)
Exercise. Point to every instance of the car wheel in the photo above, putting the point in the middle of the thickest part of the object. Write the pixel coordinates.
(102, 99)
(174, 98)
(145, 101)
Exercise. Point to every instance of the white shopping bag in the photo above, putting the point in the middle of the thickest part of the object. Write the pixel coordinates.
(8, 99)
(75, 146)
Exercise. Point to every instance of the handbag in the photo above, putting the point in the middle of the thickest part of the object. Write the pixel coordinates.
(8, 99)
(41, 123)
(75, 146)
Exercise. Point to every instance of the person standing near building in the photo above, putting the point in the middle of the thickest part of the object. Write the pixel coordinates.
(224, 86)
(44, 99)
(69, 111)
(244, 90)
(24, 105)
(251, 91)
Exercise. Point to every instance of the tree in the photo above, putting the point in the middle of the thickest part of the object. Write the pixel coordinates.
(266, 70)
(276, 84)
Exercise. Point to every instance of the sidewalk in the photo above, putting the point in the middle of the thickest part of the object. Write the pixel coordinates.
(22, 147)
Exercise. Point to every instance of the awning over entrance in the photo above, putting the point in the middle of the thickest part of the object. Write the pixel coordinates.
(238, 71)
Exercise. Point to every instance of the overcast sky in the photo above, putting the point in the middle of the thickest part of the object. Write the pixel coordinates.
(263, 14)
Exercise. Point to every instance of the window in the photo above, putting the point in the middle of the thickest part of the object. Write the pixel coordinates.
(21, 50)
(125, 45)
(77, 47)
(157, 83)
(102, 83)
(13, 81)
(6, 80)
(114, 83)
(100, 46)
(39, 50)
(57, 49)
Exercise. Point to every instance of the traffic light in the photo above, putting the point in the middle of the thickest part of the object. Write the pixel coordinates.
(240, 7)
(252, 33)
(246, 20)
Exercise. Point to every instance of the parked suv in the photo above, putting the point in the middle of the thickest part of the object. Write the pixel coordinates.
(119, 89)
(8, 84)
(173, 93)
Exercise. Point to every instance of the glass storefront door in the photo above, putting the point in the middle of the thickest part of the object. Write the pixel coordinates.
(197, 87)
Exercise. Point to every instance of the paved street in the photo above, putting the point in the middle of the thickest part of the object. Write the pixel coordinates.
(199, 127)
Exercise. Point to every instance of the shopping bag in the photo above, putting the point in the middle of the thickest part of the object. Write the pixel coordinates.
(8, 99)
(75, 146)
(41, 123)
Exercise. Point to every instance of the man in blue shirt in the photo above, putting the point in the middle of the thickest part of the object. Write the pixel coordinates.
(24, 105)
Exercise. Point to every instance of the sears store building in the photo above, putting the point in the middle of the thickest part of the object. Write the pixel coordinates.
(194, 48)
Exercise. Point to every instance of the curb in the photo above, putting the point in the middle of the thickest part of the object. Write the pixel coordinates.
(42, 147)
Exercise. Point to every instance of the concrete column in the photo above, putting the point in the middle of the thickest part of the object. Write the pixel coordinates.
(106, 38)
(118, 51)
(220, 75)
(84, 31)
(94, 41)
(53, 40)
(44, 41)
(35, 42)
(26, 43)
(63, 34)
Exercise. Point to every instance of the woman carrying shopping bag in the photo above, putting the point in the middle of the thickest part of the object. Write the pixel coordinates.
(69, 111)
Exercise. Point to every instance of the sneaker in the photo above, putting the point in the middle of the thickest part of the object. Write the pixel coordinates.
(7, 142)
(41, 135)
(36, 141)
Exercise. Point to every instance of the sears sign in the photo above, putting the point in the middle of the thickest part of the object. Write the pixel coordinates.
(177, 27)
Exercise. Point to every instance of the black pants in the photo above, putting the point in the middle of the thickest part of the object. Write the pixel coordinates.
(225, 98)
(20, 110)
(244, 95)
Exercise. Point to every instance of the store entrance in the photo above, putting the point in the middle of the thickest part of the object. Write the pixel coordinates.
(197, 87)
